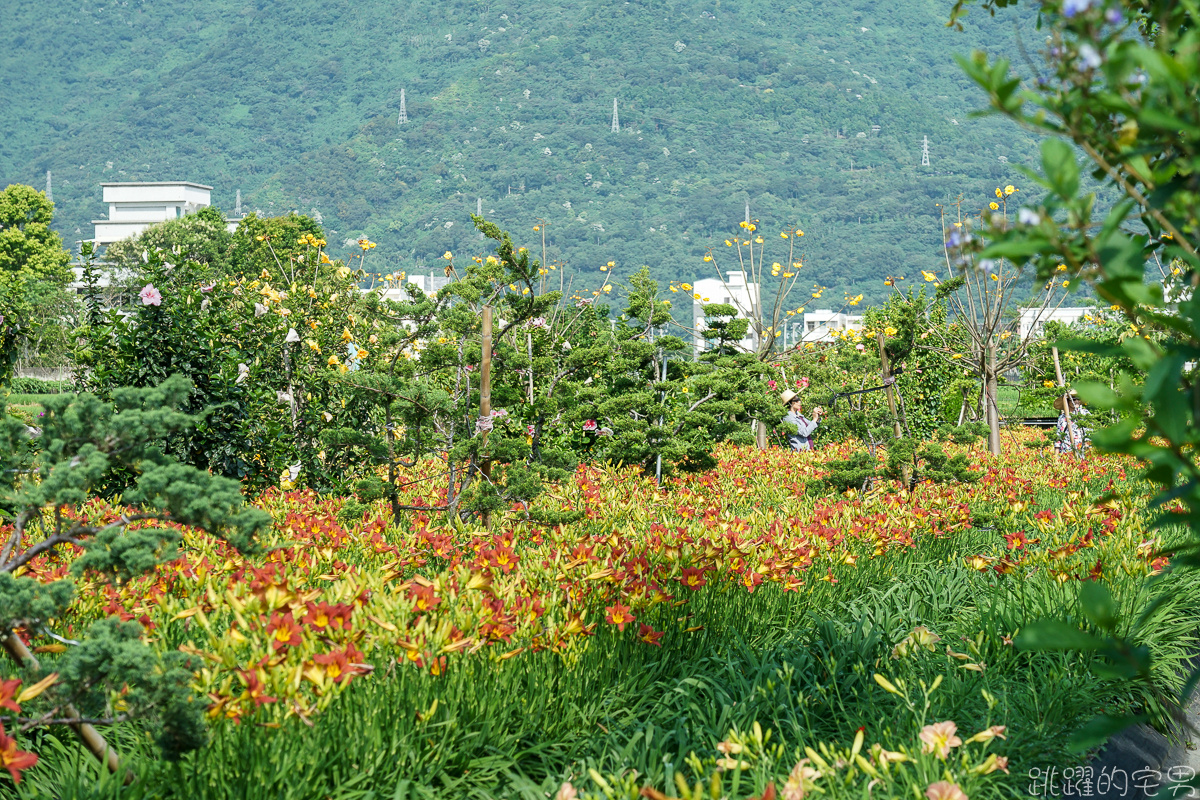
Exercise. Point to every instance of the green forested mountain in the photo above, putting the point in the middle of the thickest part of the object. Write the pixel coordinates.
(814, 112)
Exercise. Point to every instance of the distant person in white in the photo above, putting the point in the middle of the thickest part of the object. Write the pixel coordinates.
(1072, 436)
(802, 438)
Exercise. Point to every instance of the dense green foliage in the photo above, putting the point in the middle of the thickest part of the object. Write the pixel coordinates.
(1120, 83)
(33, 271)
(81, 443)
(721, 103)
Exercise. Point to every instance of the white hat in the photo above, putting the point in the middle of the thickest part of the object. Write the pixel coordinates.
(788, 396)
(1061, 401)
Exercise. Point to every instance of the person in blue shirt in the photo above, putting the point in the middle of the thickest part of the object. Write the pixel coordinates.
(802, 438)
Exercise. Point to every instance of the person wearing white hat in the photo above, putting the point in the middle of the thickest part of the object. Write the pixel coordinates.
(802, 438)
(1072, 437)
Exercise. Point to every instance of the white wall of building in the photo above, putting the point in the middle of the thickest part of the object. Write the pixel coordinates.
(818, 325)
(135, 206)
(1034, 319)
(735, 291)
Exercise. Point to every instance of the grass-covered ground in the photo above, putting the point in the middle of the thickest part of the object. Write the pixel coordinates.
(716, 632)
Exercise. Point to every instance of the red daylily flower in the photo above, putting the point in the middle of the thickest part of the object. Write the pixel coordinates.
(337, 666)
(284, 631)
(648, 635)
(12, 759)
(693, 578)
(317, 616)
(619, 615)
(1016, 540)
(255, 690)
(423, 597)
(8, 690)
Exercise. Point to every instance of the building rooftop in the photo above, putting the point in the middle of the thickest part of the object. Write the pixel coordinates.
(158, 183)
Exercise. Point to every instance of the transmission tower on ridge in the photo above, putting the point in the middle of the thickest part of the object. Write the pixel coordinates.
(479, 206)
(403, 117)
(49, 192)
(237, 204)
(925, 152)
(616, 123)
(747, 211)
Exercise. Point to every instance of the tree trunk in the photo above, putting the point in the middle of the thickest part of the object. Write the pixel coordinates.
(991, 393)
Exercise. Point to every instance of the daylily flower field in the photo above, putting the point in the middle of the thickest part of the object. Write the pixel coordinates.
(729, 634)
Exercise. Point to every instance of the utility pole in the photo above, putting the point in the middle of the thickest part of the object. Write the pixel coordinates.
(925, 152)
(906, 470)
(403, 118)
(616, 122)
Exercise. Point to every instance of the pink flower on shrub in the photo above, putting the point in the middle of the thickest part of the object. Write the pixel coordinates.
(859, 347)
(802, 383)
(771, 384)
(150, 296)
(589, 425)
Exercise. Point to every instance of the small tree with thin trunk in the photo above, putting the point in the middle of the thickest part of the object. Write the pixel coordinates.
(765, 316)
(984, 298)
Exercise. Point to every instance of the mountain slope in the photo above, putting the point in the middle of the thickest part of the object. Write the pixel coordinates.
(721, 103)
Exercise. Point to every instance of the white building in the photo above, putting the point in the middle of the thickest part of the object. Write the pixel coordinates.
(818, 325)
(135, 206)
(735, 291)
(429, 284)
(1034, 319)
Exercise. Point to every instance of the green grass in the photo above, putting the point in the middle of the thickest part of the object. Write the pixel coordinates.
(26, 406)
(1017, 401)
